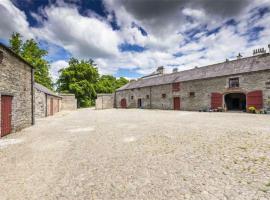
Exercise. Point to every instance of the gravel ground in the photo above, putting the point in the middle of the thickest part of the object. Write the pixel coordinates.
(138, 154)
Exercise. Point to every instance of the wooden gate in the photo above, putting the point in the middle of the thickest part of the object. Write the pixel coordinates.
(216, 100)
(51, 107)
(255, 99)
(176, 103)
(6, 115)
(123, 103)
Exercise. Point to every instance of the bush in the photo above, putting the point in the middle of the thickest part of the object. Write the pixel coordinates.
(252, 109)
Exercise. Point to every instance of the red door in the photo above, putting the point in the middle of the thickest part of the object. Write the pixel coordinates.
(216, 100)
(6, 115)
(255, 99)
(123, 103)
(51, 104)
(176, 103)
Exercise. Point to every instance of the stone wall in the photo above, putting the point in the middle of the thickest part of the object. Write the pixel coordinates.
(69, 102)
(105, 101)
(40, 104)
(202, 89)
(15, 80)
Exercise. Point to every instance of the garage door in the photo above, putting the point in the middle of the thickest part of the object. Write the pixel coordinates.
(6, 111)
(216, 100)
(123, 103)
(255, 99)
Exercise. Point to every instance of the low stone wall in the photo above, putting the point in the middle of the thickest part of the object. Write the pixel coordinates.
(105, 101)
(69, 102)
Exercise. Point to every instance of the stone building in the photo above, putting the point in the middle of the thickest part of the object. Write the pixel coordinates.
(47, 103)
(231, 85)
(69, 102)
(104, 101)
(16, 89)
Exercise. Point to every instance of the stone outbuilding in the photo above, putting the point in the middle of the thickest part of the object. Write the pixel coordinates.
(69, 102)
(104, 101)
(233, 85)
(16, 92)
(47, 102)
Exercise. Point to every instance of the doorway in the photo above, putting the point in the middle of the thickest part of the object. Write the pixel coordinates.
(139, 103)
(123, 103)
(235, 101)
(6, 115)
(176, 103)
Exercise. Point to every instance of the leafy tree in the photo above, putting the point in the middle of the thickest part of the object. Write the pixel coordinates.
(32, 53)
(79, 78)
(16, 43)
(108, 84)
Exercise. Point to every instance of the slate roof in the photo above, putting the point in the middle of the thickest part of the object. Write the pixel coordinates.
(244, 65)
(45, 90)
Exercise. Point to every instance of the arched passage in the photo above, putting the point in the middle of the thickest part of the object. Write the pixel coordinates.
(235, 101)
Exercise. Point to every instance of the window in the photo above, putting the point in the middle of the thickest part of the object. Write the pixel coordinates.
(267, 84)
(192, 94)
(175, 87)
(163, 96)
(131, 97)
(147, 96)
(233, 82)
(1, 56)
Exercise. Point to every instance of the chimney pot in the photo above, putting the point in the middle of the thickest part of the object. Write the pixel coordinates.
(160, 70)
(175, 70)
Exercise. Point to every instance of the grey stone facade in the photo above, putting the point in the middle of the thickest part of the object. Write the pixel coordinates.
(104, 101)
(40, 104)
(16, 81)
(47, 102)
(195, 94)
(69, 102)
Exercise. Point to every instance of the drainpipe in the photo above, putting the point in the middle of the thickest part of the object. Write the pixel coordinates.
(150, 97)
(32, 93)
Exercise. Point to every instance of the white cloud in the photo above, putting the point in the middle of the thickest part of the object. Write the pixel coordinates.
(12, 20)
(56, 66)
(84, 37)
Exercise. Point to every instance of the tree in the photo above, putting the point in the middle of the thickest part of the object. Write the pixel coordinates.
(16, 43)
(108, 84)
(79, 78)
(32, 53)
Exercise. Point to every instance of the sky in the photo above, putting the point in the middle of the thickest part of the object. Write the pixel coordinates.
(131, 38)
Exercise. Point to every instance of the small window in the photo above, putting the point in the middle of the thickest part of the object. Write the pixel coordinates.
(163, 96)
(192, 94)
(139, 88)
(267, 84)
(175, 87)
(233, 82)
(147, 96)
(1, 56)
(131, 97)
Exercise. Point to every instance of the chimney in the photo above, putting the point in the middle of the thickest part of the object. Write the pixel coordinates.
(227, 60)
(269, 47)
(239, 56)
(175, 70)
(160, 70)
(260, 51)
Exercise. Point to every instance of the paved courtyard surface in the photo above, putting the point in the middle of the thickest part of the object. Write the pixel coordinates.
(138, 154)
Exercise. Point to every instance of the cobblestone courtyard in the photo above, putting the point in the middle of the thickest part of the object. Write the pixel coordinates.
(138, 154)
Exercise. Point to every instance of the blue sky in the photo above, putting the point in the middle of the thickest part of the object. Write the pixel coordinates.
(133, 38)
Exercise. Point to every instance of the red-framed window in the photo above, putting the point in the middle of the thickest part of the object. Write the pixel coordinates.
(175, 87)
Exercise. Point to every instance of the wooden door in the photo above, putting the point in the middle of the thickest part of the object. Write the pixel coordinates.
(216, 100)
(176, 103)
(255, 99)
(51, 107)
(6, 115)
(123, 103)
